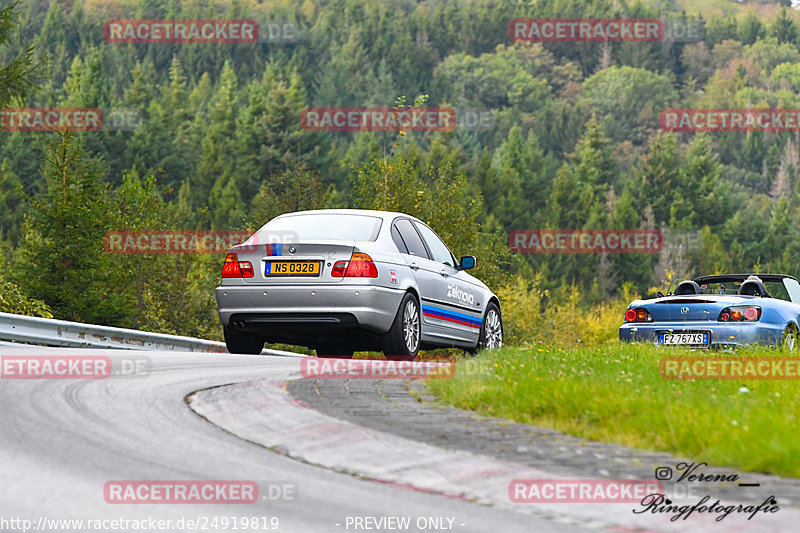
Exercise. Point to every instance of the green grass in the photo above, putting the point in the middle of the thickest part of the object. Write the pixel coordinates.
(615, 393)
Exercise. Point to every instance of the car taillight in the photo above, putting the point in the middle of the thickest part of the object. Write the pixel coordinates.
(359, 266)
(638, 314)
(339, 268)
(233, 268)
(742, 313)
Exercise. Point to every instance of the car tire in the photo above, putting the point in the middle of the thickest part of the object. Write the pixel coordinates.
(243, 343)
(491, 336)
(789, 340)
(334, 351)
(402, 341)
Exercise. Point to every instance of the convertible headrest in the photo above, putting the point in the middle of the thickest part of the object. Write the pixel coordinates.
(753, 287)
(687, 287)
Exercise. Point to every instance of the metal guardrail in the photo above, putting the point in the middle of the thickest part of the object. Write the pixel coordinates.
(51, 332)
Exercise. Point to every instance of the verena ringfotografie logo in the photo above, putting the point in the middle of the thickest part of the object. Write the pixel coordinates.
(585, 241)
(180, 31)
(55, 367)
(730, 120)
(180, 492)
(378, 119)
(582, 490)
(691, 474)
(769, 368)
(323, 368)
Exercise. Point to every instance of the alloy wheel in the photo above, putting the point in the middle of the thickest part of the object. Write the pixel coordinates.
(493, 330)
(411, 326)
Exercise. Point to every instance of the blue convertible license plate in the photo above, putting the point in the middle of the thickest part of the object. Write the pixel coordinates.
(683, 338)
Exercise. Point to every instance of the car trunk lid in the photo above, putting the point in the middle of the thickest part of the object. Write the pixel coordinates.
(687, 309)
(294, 263)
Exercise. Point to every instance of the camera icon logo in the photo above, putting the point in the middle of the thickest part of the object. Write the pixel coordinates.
(663, 473)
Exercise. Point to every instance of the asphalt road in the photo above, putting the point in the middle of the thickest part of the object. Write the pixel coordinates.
(63, 440)
(337, 455)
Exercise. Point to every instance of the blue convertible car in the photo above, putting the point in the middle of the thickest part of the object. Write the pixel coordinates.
(723, 311)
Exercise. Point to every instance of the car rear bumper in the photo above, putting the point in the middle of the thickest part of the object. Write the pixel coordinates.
(308, 307)
(721, 335)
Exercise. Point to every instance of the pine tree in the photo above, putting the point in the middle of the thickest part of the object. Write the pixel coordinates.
(10, 202)
(270, 138)
(634, 267)
(751, 29)
(784, 29)
(63, 239)
(657, 177)
(582, 180)
(141, 91)
(218, 145)
(20, 74)
(706, 200)
(511, 208)
(578, 202)
(12, 300)
(225, 204)
(87, 84)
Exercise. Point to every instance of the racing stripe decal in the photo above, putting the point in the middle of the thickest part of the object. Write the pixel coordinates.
(274, 249)
(451, 316)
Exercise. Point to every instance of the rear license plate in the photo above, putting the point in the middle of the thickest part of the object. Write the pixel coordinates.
(687, 338)
(292, 268)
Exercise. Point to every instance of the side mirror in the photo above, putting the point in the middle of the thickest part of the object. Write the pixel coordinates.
(467, 262)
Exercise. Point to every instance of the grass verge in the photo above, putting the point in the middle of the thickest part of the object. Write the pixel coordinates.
(616, 393)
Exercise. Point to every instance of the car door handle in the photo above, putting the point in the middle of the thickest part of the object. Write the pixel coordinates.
(414, 266)
(444, 273)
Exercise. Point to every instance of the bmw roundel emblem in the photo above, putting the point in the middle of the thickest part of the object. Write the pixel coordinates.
(292, 249)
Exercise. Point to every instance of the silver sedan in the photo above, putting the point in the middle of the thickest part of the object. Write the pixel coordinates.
(342, 280)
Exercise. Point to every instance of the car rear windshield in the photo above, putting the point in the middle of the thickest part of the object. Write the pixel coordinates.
(315, 227)
(776, 289)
